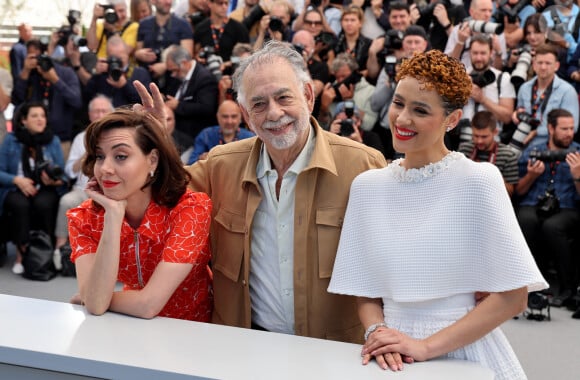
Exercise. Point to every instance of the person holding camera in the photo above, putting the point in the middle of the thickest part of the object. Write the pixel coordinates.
(484, 147)
(53, 84)
(218, 34)
(438, 18)
(193, 94)
(276, 24)
(562, 20)
(459, 41)
(543, 93)
(347, 123)
(114, 76)
(491, 88)
(158, 32)
(350, 39)
(549, 194)
(31, 177)
(349, 84)
(107, 21)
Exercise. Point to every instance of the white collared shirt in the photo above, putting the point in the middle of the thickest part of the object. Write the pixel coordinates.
(272, 256)
(185, 82)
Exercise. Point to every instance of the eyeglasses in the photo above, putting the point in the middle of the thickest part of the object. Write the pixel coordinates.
(313, 23)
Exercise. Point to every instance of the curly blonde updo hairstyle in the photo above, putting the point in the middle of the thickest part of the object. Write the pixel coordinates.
(437, 71)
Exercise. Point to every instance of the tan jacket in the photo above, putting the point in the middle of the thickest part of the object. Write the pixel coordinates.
(229, 177)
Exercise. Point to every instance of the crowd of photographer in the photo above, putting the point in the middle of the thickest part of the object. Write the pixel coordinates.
(521, 56)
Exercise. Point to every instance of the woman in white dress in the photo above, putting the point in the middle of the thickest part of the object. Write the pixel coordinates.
(425, 235)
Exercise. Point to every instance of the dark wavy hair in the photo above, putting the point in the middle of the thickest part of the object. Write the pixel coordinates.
(170, 180)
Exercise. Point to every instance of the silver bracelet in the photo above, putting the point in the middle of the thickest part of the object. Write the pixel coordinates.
(372, 328)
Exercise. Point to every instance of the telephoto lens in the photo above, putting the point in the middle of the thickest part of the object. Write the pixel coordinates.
(526, 124)
(485, 27)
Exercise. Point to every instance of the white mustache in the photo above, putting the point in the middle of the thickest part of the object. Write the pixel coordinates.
(278, 123)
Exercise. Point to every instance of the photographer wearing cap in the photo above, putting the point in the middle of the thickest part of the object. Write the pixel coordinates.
(348, 85)
(491, 88)
(109, 20)
(347, 121)
(549, 192)
(114, 75)
(458, 43)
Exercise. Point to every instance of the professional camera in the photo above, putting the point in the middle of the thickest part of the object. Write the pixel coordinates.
(352, 79)
(465, 131)
(548, 204)
(427, 10)
(511, 11)
(55, 172)
(111, 15)
(391, 67)
(326, 38)
(214, 64)
(66, 33)
(44, 62)
(115, 68)
(485, 27)
(520, 72)
(526, 124)
(537, 302)
(299, 48)
(393, 42)
(206, 51)
(482, 78)
(347, 125)
(550, 155)
(276, 24)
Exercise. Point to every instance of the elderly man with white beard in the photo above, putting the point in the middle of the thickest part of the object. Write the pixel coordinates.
(279, 201)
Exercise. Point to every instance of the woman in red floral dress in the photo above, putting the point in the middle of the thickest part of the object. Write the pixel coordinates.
(141, 226)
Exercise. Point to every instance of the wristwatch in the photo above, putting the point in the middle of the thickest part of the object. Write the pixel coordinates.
(372, 328)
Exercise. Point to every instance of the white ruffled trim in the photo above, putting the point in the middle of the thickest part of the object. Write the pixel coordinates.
(400, 174)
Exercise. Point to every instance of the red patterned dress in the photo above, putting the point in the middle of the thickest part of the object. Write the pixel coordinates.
(177, 235)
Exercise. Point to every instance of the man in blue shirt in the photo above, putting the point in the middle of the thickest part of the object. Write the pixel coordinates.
(545, 92)
(549, 191)
(229, 118)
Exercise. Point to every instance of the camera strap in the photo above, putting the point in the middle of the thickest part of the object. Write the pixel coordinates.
(492, 154)
(543, 101)
(216, 35)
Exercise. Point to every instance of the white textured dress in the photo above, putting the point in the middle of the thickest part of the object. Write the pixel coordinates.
(424, 240)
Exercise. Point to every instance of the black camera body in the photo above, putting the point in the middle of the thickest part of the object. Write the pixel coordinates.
(111, 16)
(428, 9)
(55, 172)
(482, 78)
(347, 125)
(196, 17)
(44, 62)
(326, 38)
(390, 66)
(548, 204)
(393, 42)
(276, 24)
(550, 155)
(115, 68)
(206, 51)
(352, 79)
(504, 9)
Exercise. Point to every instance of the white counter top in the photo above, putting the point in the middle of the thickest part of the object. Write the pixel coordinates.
(65, 338)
